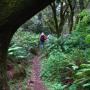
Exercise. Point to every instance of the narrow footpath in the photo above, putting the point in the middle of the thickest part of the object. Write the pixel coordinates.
(35, 82)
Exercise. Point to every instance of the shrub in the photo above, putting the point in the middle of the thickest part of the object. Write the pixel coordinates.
(51, 67)
(87, 39)
(87, 54)
(75, 54)
(82, 76)
(17, 52)
(20, 44)
(25, 39)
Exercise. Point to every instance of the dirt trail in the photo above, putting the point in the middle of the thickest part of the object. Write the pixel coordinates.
(35, 82)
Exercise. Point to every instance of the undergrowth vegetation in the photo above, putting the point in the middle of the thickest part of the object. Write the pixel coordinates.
(19, 58)
(21, 42)
(68, 61)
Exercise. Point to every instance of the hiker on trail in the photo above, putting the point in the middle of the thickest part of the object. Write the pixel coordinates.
(42, 39)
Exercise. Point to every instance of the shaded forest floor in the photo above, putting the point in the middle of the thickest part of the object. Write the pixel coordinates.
(32, 81)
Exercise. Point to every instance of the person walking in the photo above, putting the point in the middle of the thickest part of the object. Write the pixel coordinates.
(43, 37)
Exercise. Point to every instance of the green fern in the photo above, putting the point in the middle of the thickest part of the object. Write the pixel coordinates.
(16, 51)
(83, 76)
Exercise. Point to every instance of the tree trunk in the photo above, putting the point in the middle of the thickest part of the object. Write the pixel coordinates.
(81, 4)
(72, 4)
(53, 6)
(3, 74)
(5, 38)
(71, 21)
(62, 19)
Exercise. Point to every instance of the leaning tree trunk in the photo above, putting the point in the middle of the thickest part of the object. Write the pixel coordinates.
(13, 13)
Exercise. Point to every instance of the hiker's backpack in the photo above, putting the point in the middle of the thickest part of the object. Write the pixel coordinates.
(42, 38)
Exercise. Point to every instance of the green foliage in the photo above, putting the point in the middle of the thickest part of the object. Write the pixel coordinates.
(16, 51)
(57, 59)
(73, 87)
(19, 51)
(82, 76)
(71, 41)
(54, 86)
(79, 38)
(87, 39)
(83, 25)
(83, 13)
(76, 54)
(21, 42)
(87, 54)
(25, 39)
(51, 42)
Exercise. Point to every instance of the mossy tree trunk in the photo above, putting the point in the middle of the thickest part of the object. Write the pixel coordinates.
(13, 13)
